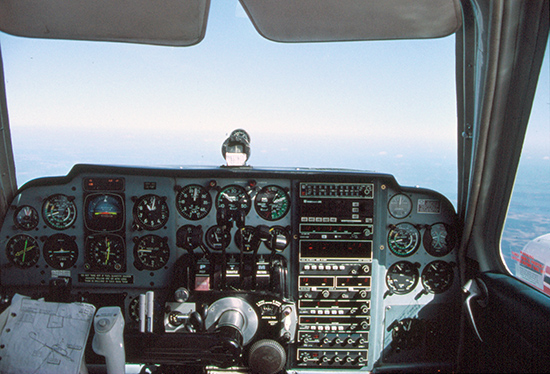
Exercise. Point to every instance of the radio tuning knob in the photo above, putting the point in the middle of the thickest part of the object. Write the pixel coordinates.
(365, 268)
(325, 293)
(362, 294)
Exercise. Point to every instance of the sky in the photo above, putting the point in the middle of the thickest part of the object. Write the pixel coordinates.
(383, 106)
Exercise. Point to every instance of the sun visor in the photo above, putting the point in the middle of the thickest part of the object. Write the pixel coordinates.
(349, 20)
(164, 22)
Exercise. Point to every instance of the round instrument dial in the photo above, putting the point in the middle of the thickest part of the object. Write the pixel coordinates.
(217, 238)
(25, 218)
(439, 239)
(106, 252)
(402, 277)
(60, 251)
(280, 237)
(189, 237)
(151, 252)
(437, 276)
(151, 212)
(246, 239)
(23, 251)
(193, 202)
(272, 203)
(233, 198)
(59, 211)
(400, 206)
(104, 212)
(403, 239)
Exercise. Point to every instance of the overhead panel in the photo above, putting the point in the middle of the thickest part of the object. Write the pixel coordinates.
(164, 22)
(349, 20)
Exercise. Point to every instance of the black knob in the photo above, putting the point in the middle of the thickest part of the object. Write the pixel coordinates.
(266, 356)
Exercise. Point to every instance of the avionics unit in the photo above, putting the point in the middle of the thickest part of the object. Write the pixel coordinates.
(334, 285)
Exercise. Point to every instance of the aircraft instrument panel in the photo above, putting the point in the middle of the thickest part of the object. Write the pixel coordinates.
(323, 269)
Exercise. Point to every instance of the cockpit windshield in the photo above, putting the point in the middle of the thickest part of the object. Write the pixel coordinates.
(384, 106)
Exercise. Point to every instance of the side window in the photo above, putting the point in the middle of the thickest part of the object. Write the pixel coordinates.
(525, 244)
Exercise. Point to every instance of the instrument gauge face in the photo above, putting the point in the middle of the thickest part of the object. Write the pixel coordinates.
(233, 198)
(281, 238)
(151, 252)
(59, 211)
(246, 239)
(189, 237)
(272, 203)
(402, 277)
(193, 202)
(151, 212)
(106, 252)
(439, 239)
(23, 251)
(217, 238)
(60, 251)
(104, 212)
(400, 206)
(25, 218)
(403, 239)
(437, 276)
